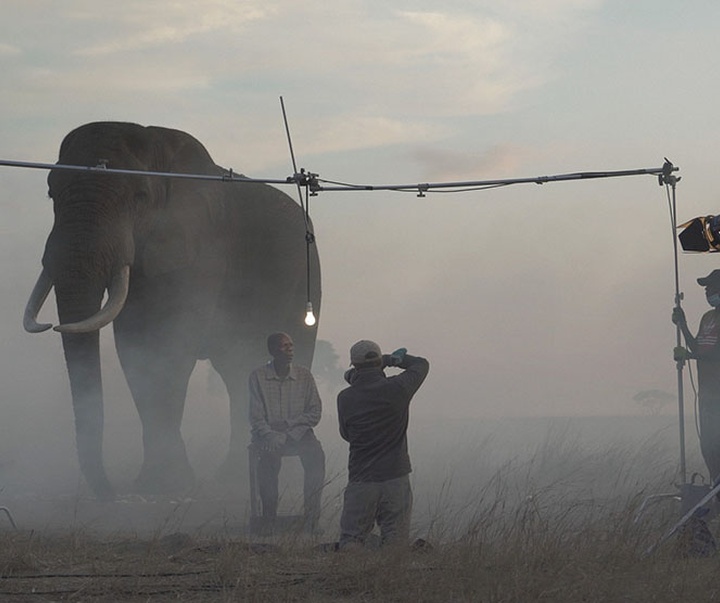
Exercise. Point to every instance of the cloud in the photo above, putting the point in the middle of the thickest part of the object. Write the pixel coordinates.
(8, 50)
(138, 26)
(362, 76)
(445, 164)
(352, 132)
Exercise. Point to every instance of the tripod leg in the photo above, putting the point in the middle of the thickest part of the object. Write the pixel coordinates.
(685, 518)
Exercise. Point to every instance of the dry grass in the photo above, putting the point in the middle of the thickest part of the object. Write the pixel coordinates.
(556, 527)
(521, 559)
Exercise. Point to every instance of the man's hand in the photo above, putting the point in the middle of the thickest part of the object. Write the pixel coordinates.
(273, 441)
(394, 359)
(398, 356)
(350, 375)
(678, 316)
(281, 426)
(681, 354)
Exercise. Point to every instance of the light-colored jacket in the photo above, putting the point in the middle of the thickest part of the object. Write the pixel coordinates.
(293, 399)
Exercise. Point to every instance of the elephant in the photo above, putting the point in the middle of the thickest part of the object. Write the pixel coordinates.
(193, 268)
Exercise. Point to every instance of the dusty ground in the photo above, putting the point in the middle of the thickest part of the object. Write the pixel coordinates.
(142, 549)
(176, 567)
(194, 550)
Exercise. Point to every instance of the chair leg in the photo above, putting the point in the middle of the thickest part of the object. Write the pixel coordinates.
(252, 473)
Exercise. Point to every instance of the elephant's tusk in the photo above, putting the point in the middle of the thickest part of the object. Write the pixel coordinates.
(37, 298)
(117, 294)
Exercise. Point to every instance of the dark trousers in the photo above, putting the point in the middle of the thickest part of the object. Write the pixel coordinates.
(709, 411)
(312, 457)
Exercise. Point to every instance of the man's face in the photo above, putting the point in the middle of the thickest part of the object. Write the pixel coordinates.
(712, 294)
(284, 350)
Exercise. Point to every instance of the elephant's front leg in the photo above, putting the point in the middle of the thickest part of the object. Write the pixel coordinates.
(158, 381)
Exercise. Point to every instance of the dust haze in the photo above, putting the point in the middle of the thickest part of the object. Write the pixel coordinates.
(542, 320)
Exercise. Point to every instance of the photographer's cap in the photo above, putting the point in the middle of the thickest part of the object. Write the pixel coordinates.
(711, 279)
(366, 351)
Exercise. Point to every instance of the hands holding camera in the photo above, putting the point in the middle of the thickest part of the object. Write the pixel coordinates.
(394, 359)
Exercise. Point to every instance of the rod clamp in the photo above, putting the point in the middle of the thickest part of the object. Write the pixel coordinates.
(666, 176)
(305, 178)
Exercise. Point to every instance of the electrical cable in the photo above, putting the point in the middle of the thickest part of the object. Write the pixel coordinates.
(696, 403)
(300, 179)
(415, 189)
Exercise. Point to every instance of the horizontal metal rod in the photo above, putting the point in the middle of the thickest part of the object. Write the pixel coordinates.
(230, 176)
(310, 179)
(482, 183)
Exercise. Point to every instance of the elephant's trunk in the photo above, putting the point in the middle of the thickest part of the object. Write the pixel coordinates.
(82, 355)
(117, 294)
(81, 268)
(90, 248)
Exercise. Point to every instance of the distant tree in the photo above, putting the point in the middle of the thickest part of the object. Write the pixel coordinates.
(326, 364)
(653, 400)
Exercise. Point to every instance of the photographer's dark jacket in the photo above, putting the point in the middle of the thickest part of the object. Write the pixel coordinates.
(373, 414)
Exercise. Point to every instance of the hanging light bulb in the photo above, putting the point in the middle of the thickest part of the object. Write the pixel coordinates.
(309, 316)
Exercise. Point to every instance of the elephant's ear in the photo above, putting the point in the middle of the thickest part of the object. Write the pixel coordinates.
(166, 248)
(188, 213)
(186, 232)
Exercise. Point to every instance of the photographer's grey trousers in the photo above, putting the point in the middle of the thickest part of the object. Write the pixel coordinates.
(388, 503)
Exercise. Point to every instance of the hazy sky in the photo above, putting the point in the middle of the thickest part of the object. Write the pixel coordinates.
(528, 300)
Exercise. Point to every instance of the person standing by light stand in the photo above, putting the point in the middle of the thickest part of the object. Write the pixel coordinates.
(705, 349)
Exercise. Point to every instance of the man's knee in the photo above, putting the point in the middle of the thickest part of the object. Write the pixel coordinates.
(269, 460)
(395, 510)
(359, 510)
(312, 454)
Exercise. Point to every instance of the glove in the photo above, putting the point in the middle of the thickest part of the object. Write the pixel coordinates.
(680, 354)
(678, 316)
(273, 441)
(397, 357)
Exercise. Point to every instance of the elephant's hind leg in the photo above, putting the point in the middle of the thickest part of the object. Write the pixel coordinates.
(234, 469)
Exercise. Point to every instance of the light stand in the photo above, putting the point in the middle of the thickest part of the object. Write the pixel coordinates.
(692, 497)
(668, 178)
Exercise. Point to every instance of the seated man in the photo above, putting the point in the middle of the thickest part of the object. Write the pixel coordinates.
(284, 408)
